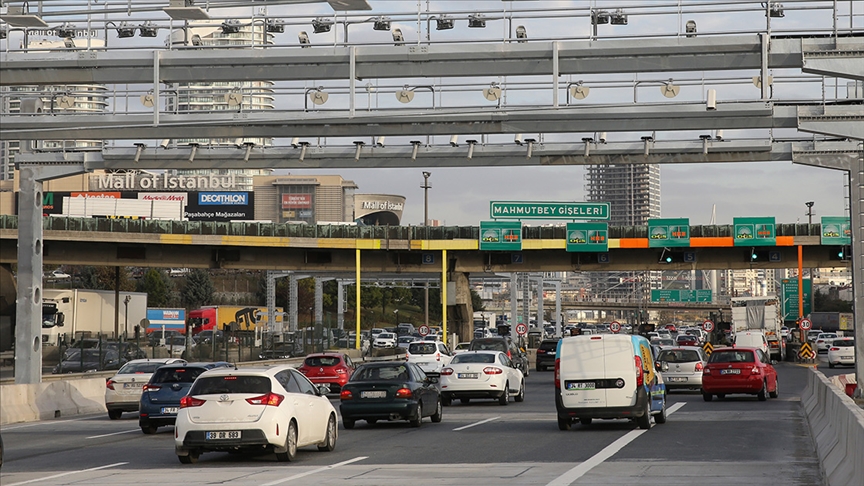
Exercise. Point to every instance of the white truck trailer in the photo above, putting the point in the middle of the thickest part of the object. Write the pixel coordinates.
(760, 314)
(80, 312)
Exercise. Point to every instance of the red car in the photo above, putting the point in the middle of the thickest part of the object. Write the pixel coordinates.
(331, 369)
(687, 340)
(739, 370)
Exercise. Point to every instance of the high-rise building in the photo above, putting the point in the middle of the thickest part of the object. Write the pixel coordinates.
(633, 194)
(222, 96)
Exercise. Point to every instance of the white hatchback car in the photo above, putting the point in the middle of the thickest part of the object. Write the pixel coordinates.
(385, 340)
(842, 352)
(252, 409)
(123, 390)
(430, 356)
(824, 340)
(685, 365)
(481, 374)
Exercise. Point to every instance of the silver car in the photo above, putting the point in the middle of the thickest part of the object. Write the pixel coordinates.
(685, 367)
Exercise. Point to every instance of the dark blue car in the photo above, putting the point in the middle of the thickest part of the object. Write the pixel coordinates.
(160, 398)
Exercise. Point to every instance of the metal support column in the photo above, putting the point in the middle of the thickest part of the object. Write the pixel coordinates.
(28, 319)
(558, 317)
(319, 310)
(271, 302)
(340, 305)
(292, 302)
(856, 210)
(514, 298)
(526, 303)
(539, 302)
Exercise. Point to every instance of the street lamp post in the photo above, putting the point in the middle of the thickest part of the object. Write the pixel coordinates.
(126, 317)
(425, 188)
(809, 214)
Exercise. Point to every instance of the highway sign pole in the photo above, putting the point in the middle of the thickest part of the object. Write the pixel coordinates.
(444, 295)
(356, 299)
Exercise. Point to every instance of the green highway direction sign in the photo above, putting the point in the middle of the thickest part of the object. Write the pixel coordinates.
(681, 295)
(501, 235)
(754, 232)
(664, 233)
(587, 237)
(836, 230)
(789, 298)
(548, 210)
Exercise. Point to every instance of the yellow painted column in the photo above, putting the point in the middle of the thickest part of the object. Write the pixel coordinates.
(357, 298)
(444, 294)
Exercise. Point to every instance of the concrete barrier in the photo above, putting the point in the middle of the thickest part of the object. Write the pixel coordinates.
(837, 427)
(27, 403)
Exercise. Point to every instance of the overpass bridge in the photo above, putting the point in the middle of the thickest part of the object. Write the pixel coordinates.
(389, 249)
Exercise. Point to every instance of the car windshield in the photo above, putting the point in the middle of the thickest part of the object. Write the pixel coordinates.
(494, 345)
(90, 354)
(321, 361)
(462, 346)
(827, 336)
(473, 358)
(663, 342)
(133, 368)
(176, 375)
(844, 343)
(377, 373)
(385, 335)
(549, 345)
(213, 385)
(679, 356)
(421, 348)
(732, 357)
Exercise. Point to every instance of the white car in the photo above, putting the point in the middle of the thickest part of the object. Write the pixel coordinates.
(842, 352)
(385, 340)
(123, 390)
(824, 340)
(176, 346)
(234, 410)
(461, 348)
(685, 365)
(430, 356)
(481, 374)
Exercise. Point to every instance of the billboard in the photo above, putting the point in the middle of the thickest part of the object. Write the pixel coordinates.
(296, 201)
(193, 206)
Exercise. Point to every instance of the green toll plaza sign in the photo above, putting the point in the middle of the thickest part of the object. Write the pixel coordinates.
(670, 232)
(789, 297)
(836, 230)
(587, 237)
(501, 235)
(754, 232)
(549, 210)
(673, 295)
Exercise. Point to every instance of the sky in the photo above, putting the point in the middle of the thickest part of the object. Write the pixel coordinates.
(461, 196)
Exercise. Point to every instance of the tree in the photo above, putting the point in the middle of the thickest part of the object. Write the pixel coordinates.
(476, 301)
(159, 288)
(103, 278)
(199, 289)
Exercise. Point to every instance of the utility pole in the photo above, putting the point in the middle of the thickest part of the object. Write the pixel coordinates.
(809, 214)
(425, 188)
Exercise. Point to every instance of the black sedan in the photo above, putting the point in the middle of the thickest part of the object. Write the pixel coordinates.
(390, 391)
(92, 359)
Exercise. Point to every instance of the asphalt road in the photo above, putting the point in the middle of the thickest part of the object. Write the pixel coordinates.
(734, 441)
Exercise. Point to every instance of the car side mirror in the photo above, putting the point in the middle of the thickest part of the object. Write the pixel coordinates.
(323, 390)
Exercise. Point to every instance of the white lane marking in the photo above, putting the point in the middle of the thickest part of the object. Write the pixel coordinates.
(113, 433)
(476, 423)
(46, 422)
(309, 473)
(577, 472)
(68, 473)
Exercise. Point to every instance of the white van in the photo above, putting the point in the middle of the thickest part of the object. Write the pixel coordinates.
(607, 376)
(752, 339)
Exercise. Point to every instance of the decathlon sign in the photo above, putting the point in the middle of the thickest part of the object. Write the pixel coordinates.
(223, 198)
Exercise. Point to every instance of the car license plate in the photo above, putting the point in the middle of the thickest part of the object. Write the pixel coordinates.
(468, 375)
(730, 372)
(223, 434)
(133, 385)
(675, 379)
(581, 386)
(169, 410)
(373, 394)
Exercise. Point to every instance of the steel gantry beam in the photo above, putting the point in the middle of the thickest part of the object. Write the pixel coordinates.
(661, 152)
(411, 61)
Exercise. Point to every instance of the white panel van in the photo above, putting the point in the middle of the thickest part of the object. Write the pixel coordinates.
(607, 376)
(752, 339)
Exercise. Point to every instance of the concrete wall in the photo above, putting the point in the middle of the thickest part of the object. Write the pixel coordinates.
(27, 403)
(837, 426)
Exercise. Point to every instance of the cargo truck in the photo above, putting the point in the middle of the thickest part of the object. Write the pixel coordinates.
(229, 318)
(78, 313)
(760, 314)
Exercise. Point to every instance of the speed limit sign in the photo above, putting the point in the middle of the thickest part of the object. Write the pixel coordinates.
(423, 330)
(615, 327)
(805, 324)
(521, 329)
(708, 325)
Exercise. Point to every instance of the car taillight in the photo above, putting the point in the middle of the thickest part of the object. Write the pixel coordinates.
(699, 366)
(491, 370)
(557, 373)
(109, 384)
(640, 379)
(341, 371)
(447, 371)
(403, 393)
(147, 388)
(272, 399)
(832, 349)
(706, 371)
(437, 356)
(303, 370)
(189, 401)
(346, 395)
(509, 355)
(754, 370)
(541, 351)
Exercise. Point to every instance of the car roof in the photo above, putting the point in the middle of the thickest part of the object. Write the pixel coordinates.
(251, 371)
(382, 364)
(209, 364)
(315, 355)
(427, 341)
(157, 360)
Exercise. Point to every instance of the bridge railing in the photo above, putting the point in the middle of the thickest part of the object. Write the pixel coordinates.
(294, 230)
